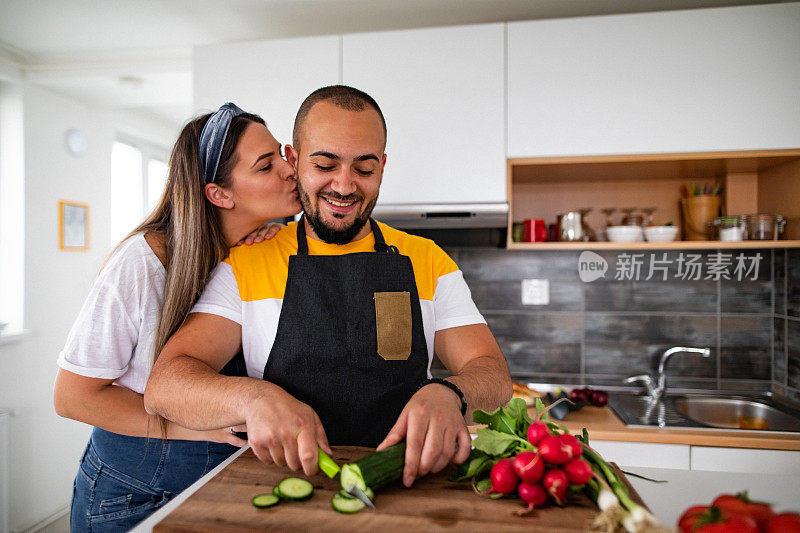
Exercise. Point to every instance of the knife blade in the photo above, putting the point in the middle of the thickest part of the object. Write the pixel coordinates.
(357, 493)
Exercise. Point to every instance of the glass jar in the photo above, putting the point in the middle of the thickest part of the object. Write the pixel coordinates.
(763, 227)
(728, 228)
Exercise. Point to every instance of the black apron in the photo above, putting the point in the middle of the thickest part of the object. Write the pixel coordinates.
(350, 341)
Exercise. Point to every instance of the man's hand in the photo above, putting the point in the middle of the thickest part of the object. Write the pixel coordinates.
(434, 430)
(285, 431)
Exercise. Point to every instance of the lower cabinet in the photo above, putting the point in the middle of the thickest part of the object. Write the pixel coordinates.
(709, 458)
(745, 460)
(649, 455)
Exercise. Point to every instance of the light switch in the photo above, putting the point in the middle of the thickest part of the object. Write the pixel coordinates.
(535, 292)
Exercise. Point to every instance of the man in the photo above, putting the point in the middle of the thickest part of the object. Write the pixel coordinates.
(340, 316)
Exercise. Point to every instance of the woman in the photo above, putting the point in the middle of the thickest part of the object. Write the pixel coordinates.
(227, 177)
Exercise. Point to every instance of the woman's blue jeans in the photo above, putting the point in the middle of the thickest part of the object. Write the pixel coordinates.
(122, 480)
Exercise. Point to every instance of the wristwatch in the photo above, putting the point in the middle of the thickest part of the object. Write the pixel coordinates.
(451, 386)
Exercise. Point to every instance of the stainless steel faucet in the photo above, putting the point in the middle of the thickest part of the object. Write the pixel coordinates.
(655, 388)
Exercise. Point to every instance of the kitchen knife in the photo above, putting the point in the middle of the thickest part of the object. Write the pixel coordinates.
(357, 493)
(324, 461)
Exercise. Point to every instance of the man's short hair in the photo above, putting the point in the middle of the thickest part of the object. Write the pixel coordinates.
(342, 96)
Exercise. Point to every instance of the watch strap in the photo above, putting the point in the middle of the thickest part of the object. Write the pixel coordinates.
(452, 386)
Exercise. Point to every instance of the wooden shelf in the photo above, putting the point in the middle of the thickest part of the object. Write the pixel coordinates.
(675, 245)
(753, 181)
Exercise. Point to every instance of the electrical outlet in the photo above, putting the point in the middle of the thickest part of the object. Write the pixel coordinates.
(535, 292)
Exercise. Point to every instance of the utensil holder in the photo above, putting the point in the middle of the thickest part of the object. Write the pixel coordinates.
(698, 212)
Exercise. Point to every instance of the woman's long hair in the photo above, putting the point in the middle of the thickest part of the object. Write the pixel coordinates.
(190, 225)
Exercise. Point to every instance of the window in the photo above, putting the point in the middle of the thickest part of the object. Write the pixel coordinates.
(12, 212)
(138, 176)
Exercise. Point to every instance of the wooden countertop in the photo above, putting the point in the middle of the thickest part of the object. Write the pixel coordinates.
(434, 503)
(603, 424)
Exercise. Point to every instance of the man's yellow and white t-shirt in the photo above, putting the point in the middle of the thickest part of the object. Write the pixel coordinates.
(248, 287)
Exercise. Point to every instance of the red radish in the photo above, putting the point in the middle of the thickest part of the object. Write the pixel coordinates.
(533, 494)
(578, 471)
(554, 451)
(529, 466)
(575, 449)
(555, 483)
(536, 432)
(502, 476)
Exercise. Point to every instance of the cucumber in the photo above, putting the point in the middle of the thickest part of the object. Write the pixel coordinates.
(375, 470)
(347, 505)
(371, 495)
(294, 489)
(277, 492)
(262, 501)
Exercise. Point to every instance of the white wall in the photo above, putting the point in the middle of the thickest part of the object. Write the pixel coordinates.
(44, 449)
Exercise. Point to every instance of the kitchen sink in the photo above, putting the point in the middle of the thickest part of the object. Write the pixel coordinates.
(736, 413)
(706, 411)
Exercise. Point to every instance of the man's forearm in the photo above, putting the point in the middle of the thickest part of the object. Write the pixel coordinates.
(485, 382)
(192, 394)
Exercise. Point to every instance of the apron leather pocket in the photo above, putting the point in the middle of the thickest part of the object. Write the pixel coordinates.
(393, 319)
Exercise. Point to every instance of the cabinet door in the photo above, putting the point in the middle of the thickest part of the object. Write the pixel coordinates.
(269, 78)
(679, 81)
(441, 91)
(653, 455)
(746, 460)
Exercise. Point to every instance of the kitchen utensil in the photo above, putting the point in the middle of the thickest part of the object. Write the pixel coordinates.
(357, 493)
(570, 228)
(588, 232)
(660, 233)
(648, 215)
(698, 211)
(624, 233)
(633, 219)
(763, 227)
(627, 212)
(730, 228)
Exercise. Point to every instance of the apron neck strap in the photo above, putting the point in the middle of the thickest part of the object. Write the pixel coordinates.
(380, 243)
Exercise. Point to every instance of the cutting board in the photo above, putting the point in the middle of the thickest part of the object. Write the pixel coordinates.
(433, 504)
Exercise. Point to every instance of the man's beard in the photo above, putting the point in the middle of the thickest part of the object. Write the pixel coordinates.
(325, 232)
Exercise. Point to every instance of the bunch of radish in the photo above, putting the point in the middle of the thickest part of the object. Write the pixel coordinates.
(547, 472)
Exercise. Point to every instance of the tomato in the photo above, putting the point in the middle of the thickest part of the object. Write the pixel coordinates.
(705, 519)
(783, 523)
(742, 504)
(690, 516)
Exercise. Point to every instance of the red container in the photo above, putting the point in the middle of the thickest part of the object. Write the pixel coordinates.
(535, 230)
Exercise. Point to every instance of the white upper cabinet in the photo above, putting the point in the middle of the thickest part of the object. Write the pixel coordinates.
(680, 81)
(441, 91)
(269, 78)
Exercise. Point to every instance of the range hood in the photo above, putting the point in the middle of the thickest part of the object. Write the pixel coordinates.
(443, 216)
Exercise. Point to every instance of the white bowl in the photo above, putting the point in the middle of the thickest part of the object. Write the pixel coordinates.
(661, 233)
(624, 233)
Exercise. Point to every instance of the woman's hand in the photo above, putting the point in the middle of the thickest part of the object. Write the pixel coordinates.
(262, 233)
(227, 435)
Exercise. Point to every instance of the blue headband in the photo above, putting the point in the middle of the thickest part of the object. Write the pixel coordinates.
(212, 139)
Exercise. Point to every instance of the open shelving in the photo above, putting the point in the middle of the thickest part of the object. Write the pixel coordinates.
(755, 181)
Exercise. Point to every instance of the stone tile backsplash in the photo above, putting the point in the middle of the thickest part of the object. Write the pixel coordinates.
(599, 332)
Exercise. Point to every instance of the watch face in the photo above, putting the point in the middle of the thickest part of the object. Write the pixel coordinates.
(76, 142)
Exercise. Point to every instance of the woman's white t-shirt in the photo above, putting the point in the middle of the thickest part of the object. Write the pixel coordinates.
(112, 337)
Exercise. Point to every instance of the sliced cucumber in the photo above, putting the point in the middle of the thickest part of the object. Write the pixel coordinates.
(294, 489)
(262, 501)
(277, 492)
(346, 505)
(368, 492)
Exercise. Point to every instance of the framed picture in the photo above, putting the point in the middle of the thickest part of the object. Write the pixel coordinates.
(73, 226)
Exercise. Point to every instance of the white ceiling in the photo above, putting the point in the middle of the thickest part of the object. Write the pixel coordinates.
(136, 54)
